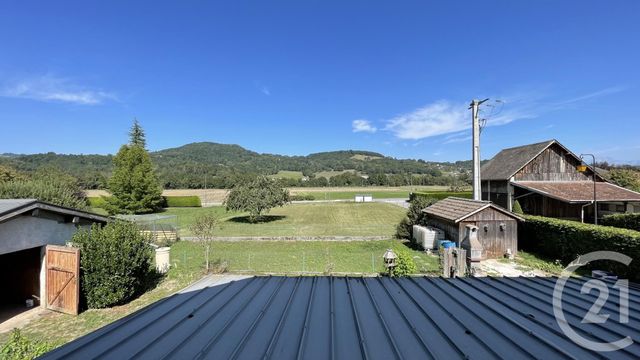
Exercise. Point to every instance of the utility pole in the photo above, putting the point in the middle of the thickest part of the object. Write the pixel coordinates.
(475, 106)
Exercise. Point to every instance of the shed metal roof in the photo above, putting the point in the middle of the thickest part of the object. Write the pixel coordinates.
(457, 209)
(10, 208)
(362, 318)
(579, 191)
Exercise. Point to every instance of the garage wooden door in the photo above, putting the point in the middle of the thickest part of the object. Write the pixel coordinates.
(63, 282)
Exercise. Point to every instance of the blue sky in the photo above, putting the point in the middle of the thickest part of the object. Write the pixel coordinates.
(296, 77)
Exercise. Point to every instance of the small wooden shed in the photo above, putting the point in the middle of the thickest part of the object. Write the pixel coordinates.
(497, 227)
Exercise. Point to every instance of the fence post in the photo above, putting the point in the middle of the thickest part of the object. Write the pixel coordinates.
(303, 260)
(373, 264)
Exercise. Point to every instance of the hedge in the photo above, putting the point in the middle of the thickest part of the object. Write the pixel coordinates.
(115, 263)
(566, 240)
(182, 201)
(302, 197)
(625, 221)
(439, 195)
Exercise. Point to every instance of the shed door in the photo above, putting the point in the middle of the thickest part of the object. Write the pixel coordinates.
(63, 283)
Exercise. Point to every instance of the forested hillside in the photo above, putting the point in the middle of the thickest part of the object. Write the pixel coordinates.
(221, 165)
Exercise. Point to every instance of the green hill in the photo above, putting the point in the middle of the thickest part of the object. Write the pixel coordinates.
(221, 165)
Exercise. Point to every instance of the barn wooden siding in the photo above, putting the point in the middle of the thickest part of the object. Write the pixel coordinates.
(495, 241)
(553, 164)
(496, 191)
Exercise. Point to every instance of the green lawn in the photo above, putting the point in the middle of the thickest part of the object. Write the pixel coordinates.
(310, 219)
(292, 257)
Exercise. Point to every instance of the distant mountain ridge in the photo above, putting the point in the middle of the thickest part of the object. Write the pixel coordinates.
(187, 166)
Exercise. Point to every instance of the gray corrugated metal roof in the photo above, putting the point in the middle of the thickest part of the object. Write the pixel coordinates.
(361, 318)
(508, 161)
(10, 208)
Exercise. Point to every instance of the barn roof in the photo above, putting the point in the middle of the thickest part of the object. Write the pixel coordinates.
(579, 191)
(10, 208)
(457, 209)
(363, 318)
(508, 161)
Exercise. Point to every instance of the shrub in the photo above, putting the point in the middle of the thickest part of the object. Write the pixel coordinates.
(302, 197)
(439, 195)
(96, 202)
(19, 347)
(404, 263)
(625, 221)
(566, 240)
(415, 216)
(517, 209)
(115, 261)
(182, 201)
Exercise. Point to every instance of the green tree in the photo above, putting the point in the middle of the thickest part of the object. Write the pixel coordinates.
(133, 186)
(257, 197)
(49, 185)
(627, 178)
(204, 228)
(415, 216)
(136, 135)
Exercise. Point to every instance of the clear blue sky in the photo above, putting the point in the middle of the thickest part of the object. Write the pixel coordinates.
(295, 77)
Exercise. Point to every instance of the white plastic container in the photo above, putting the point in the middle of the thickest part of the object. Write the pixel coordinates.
(163, 259)
(427, 237)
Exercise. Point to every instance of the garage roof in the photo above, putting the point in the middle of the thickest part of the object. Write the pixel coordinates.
(579, 191)
(362, 318)
(10, 208)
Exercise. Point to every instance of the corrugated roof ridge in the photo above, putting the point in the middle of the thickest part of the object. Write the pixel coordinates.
(431, 320)
(255, 322)
(514, 322)
(201, 354)
(412, 326)
(512, 308)
(361, 340)
(382, 321)
(452, 316)
(213, 315)
(488, 323)
(283, 318)
(565, 309)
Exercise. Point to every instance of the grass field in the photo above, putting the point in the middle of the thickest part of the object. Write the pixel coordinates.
(330, 174)
(310, 219)
(282, 174)
(291, 257)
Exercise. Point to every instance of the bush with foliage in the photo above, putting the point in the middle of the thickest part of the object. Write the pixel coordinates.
(439, 195)
(20, 347)
(405, 265)
(115, 261)
(302, 197)
(566, 240)
(517, 209)
(48, 185)
(415, 216)
(625, 221)
(182, 201)
(257, 197)
(627, 178)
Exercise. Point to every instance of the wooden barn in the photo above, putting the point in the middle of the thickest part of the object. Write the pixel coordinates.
(497, 227)
(544, 179)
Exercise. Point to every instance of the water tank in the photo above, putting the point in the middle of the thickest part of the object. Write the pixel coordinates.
(427, 237)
